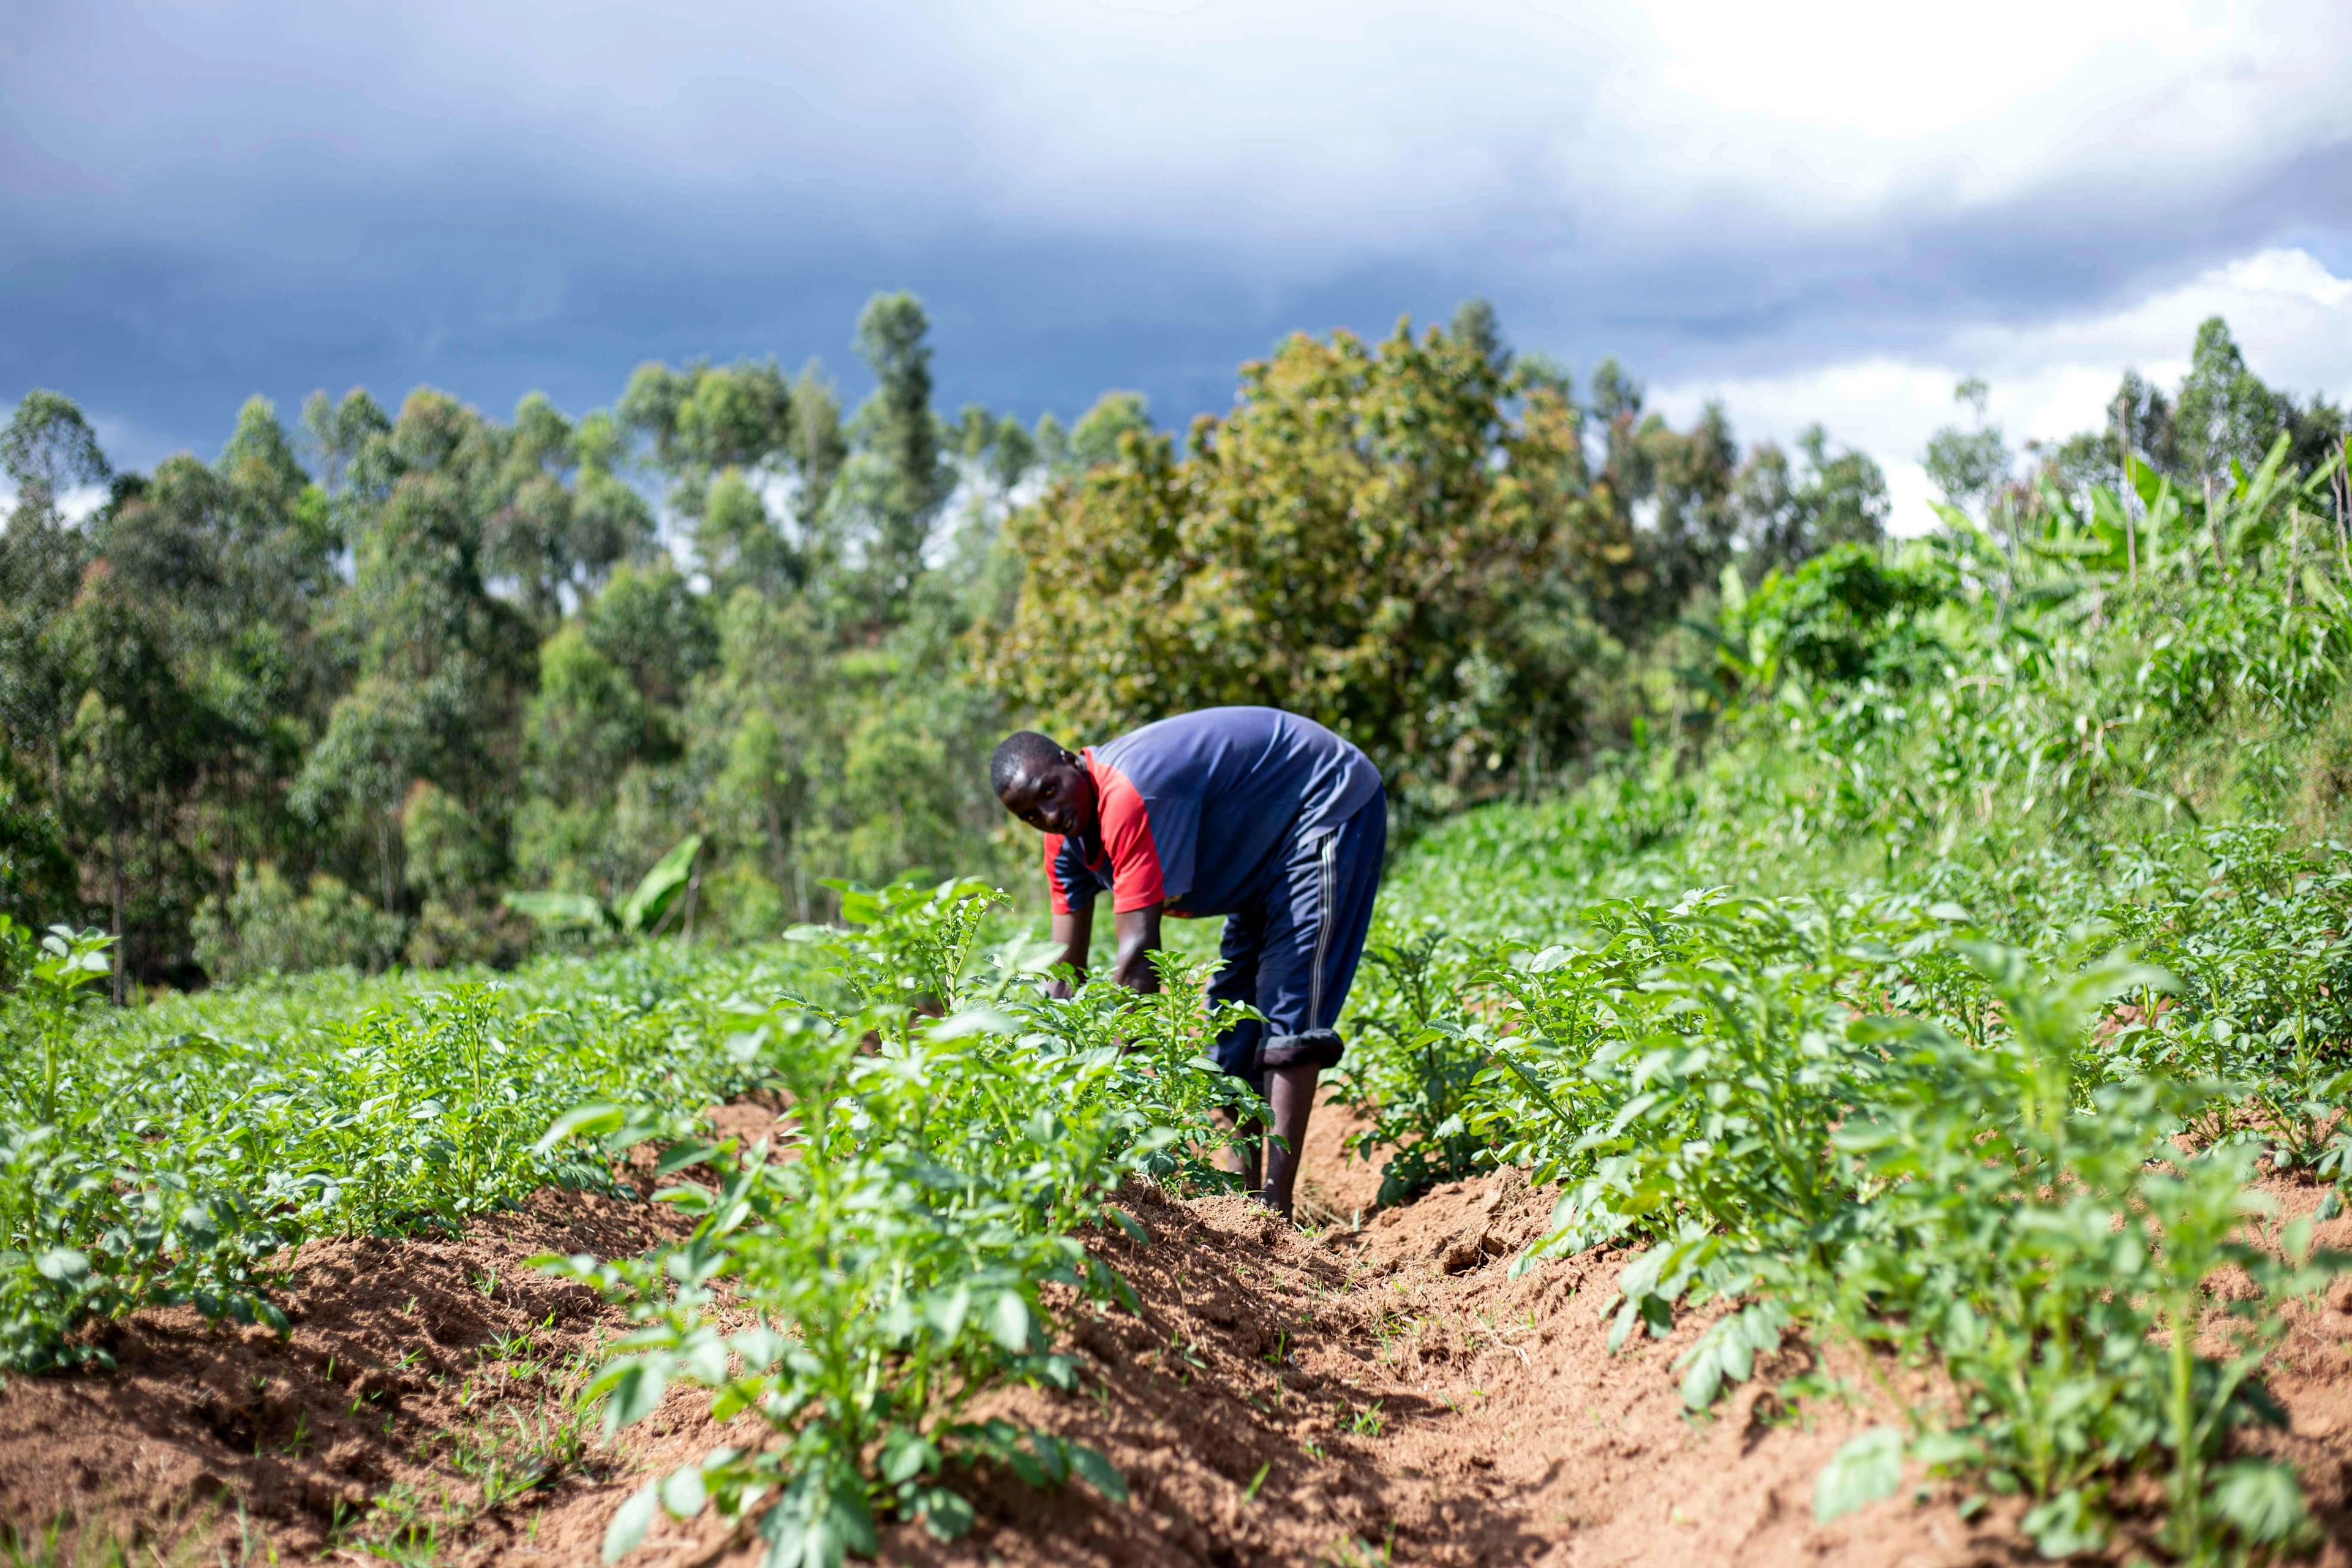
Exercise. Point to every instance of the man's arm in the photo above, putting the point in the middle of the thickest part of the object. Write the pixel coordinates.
(1075, 932)
(1139, 937)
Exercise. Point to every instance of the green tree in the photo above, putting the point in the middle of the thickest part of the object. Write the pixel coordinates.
(2223, 411)
(1478, 328)
(337, 431)
(1970, 465)
(37, 871)
(439, 664)
(1789, 517)
(656, 629)
(1680, 485)
(131, 744)
(47, 448)
(560, 520)
(819, 446)
(1094, 439)
(1372, 537)
(998, 451)
(1685, 488)
(41, 566)
(898, 474)
(705, 420)
(604, 735)
(720, 434)
(763, 721)
(739, 543)
(586, 724)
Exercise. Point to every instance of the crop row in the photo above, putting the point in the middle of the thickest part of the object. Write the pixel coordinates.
(1949, 1000)
(855, 1281)
(175, 1153)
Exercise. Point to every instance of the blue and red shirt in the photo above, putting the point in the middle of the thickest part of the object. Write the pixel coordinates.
(1196, 810)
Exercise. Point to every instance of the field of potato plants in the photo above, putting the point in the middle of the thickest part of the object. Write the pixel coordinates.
(1892, 1112)
(952, 1133)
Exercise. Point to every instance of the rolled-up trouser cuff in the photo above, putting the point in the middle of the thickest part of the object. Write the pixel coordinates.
(1311, 1047)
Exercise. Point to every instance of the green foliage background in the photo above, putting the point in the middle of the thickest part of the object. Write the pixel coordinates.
(327, 697)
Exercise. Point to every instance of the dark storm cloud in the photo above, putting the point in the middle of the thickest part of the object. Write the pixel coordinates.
(208, 202)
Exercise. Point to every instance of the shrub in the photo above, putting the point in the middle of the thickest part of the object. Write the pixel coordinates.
(263, 928)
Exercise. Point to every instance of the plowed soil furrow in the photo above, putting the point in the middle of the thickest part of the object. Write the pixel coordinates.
(1355, 1395)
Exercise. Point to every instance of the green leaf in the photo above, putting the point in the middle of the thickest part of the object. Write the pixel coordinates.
(943, 1514)
(2064, 1526)
(559, 912)
(679, 1156)
(584, 1120)
(848, 1520)
(637, 1389)
(1726, 1353)
(643, 907)
(858, 905)
(1052, 1456)
(1868, 1468)
(1948, 1449)
(974, 1021)
(948, 1313)
(2264, 1500)
(1008, 1322)
(905, 1455)
(759, 1346)
(1098, 1472)
(62, 1264)
(631, 1522)
(684, 1495)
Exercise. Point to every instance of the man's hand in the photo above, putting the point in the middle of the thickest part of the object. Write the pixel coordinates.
(1139, 938)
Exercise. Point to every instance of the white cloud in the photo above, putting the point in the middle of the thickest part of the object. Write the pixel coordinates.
(2291, 315)
(77, 504)
(1827, 107)
(1315, 122)
(1847, 105)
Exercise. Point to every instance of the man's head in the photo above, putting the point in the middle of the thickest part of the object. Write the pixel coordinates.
(1043, 785)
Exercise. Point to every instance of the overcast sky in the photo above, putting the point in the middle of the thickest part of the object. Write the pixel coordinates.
(1812, 210)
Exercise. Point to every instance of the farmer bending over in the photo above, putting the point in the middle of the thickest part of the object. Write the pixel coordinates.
(1259, 815)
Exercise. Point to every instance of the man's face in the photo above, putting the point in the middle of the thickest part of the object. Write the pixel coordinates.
(1056, 798)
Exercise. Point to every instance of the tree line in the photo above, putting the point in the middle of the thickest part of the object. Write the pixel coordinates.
(329, 697)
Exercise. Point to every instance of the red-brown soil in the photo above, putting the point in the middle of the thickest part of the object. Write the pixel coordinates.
(410, 1361)
(1343, 1396)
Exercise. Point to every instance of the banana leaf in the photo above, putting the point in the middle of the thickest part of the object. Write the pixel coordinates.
(560, 911)
(643, 909)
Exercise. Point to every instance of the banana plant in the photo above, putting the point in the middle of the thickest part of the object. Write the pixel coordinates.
(642, 912)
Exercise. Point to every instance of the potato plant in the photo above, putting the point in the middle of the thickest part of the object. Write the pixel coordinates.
(172, 1155)
(858, 1280)
(1948, 998)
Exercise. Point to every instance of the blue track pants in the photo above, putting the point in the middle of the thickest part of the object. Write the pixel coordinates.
(1293, 953)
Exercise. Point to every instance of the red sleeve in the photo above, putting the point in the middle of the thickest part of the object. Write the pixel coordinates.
(1135, 881)
(1054, 888)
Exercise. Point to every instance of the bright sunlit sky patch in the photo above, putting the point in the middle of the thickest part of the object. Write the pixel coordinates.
(1812, 210)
